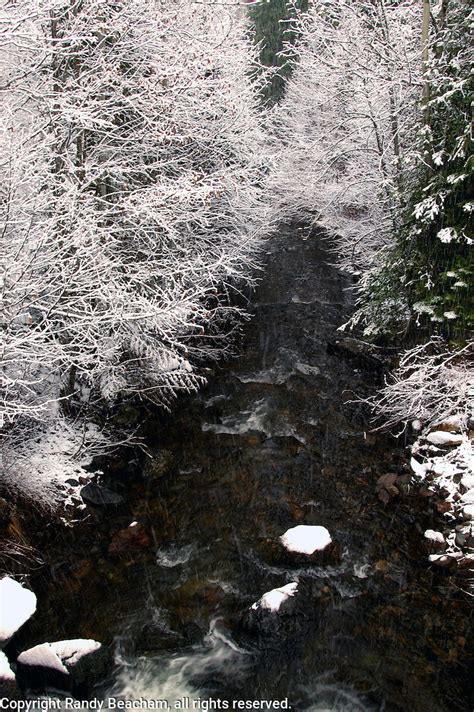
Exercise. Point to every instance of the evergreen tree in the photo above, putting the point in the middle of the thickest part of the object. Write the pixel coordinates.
(431, 264)
(274, 29)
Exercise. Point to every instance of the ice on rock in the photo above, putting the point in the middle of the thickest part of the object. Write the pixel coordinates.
(17, 605)
(60, 656)
(272, 600)
(306, 539)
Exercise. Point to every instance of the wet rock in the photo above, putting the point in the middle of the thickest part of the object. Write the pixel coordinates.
(17, 605)
(466, 562)
(386, 488)
(357, 352)
(285, 611)
(447, 560)
(444, 439)
(442, 506)
(8, 684)
(132, 538)
(386, 480)
(465, 535)
(100, 496)
(64, 665)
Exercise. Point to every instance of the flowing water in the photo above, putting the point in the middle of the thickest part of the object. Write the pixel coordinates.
(277, 439)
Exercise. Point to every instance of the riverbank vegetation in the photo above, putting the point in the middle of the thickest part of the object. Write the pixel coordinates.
(375, 144)
(147, 147)
(130, 177)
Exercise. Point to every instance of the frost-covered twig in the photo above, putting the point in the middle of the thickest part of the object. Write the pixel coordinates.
(430, 384)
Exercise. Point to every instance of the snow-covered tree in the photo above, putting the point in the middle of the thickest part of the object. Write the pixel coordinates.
(342, 127)
(431, 262)
(130, 164)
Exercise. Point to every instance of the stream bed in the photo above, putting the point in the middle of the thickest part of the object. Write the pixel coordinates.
(277, 439)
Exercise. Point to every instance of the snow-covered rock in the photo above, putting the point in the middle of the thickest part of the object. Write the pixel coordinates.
(468, 511)
(272, 600)
(61, 656)
(444, 439)
(468, 497)
(8, 686)
(453, 424)
(62, 665)
(435, 539)
(305, 539)
(468, 482)
(17, 605)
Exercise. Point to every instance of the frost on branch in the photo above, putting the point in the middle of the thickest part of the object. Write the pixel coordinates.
(430, 385)
(131, 160)
(343, 129)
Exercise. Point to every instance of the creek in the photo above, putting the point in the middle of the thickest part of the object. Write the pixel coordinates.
(278, 438)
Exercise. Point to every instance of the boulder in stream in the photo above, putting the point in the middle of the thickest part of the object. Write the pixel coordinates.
(63, 665)
(274, 599)
(306, 539)
(17, 605)
(284, 612)
(301, 546)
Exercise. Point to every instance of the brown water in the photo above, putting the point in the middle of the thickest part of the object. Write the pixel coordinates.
(272, 442)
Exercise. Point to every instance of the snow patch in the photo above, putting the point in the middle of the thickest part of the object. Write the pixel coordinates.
(305, 539)
(17, 605)
(435, 537)
(60, 656)
(6, 673)
(272, 600)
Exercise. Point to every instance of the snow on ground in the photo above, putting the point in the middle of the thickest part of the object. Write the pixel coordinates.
(60, 656)
(305, 539)
(17, 605)
(272, 600)
(45, 466)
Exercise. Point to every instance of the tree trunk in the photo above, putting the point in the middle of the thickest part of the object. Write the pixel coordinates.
(425, 33)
